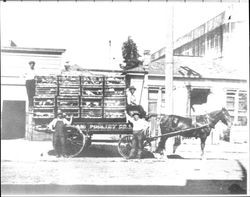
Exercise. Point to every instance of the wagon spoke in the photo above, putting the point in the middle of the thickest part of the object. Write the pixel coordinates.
(75, 141)
(125, 146)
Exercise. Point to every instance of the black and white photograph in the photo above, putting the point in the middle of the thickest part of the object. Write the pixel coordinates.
(124, 98)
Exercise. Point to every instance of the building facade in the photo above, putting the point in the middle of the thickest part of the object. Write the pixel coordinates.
(210, 72)
(14, 64)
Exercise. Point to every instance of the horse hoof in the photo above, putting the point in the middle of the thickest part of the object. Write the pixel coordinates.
(157, 155)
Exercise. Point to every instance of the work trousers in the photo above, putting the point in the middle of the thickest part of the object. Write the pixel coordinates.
(137, 108)
(137, 144)
(30, 87)
(59, 144)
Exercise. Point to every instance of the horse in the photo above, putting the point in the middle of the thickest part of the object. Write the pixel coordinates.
(172, 123)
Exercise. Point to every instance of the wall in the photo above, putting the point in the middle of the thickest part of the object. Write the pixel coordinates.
(15, 64)
(215, 101)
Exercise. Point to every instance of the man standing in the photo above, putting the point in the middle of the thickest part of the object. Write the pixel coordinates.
(30, 82)
(140, 127)
(57, 125)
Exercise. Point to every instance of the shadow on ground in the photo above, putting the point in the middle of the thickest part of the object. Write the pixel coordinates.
(198, 187)
(103, 150)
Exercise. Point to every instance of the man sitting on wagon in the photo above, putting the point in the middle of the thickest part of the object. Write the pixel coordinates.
(132, 103)
(140, 127)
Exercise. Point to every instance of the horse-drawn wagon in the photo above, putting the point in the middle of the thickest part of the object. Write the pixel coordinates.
(172, 126)
(97, 104)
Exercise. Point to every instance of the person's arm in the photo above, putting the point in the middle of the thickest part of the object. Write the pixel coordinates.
(65, 121)
(52, 124)
(128, 118)
(145, 125)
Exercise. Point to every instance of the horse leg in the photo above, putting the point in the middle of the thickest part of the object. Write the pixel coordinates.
(203, 140)
(161, 145)
(177, 143)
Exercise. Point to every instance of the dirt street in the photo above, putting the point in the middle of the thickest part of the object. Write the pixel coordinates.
(102, 171)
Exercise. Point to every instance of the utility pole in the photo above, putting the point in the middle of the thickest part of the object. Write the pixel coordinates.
(169, 60)
(110, 53)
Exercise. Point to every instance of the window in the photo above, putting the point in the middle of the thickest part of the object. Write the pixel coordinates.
(242, 102)
(236, 101)
(212, 41)
(152, 101)
(201, 46)
(208, 41)
(196, 47)
(153, 98)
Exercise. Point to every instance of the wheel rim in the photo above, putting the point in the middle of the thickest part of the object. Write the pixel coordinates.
(147, 145)
(125, 146)
(75, 141)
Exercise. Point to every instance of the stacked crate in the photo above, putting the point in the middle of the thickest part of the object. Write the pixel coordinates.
(103, 97)
(92, 97)
(44, 106)
(114, 97)
(69, 95)
(88, 98)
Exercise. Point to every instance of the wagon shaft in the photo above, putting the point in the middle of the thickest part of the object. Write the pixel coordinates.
(175, 133)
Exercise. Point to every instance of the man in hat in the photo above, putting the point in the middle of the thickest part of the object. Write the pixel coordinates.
(30, 82)
(131, 99)
(132, 103)
(140, 127)
(57, 125)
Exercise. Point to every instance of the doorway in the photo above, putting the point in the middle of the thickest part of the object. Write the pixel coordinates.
(13, 119)
(198, 98)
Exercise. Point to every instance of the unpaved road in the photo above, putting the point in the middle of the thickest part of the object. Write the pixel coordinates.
(185, 174)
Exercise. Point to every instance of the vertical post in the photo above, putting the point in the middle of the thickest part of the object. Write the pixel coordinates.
(110, 53)
(159, 104)
(145, 92)
(188, 110)
(169, 61)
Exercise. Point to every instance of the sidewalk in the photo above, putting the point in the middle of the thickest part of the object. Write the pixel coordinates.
(21, 149)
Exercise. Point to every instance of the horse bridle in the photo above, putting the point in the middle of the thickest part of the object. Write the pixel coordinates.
(211, 121)
(228, 120)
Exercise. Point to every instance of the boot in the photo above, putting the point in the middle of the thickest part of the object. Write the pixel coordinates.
(132, 154)
(139, 154)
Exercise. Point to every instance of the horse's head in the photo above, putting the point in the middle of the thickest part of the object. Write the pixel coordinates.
(225, 117)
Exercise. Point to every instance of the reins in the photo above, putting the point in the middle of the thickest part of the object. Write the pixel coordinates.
(213, 121)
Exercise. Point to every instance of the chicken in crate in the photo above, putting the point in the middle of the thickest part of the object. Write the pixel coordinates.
(91, 80)
(46, 101)
(46, 85)
(46, 80)
(75, 112)
(97, 104)
(69, 90)
(69, 80)
(67, 101)
(43, 113)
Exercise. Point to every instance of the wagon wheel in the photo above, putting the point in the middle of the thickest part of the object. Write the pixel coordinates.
(75, 141)
(147, 145)
(125, 146)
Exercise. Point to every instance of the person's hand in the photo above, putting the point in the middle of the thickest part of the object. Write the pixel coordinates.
(50, 130)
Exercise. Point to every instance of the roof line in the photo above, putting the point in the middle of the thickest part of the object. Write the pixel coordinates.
(32, 50)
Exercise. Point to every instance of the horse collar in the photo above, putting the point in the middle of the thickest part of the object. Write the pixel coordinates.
(208, 121)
